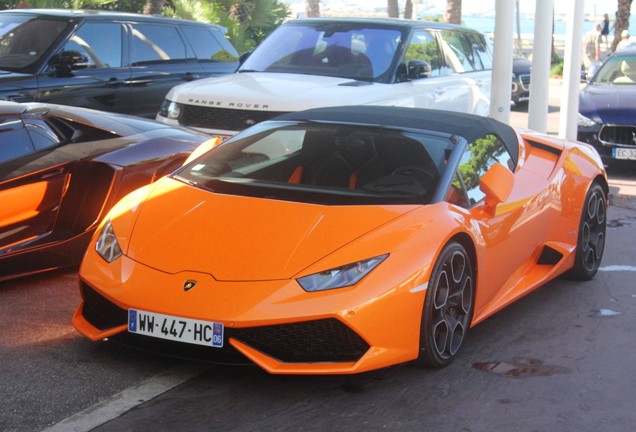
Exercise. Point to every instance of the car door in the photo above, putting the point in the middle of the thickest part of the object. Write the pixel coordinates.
(511, 234)
(30, 198)
(159, 60)
(97, 79)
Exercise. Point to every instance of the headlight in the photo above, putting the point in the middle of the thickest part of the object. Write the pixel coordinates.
(107, 245)
(340, 277)
(585, 122)
(170, 109)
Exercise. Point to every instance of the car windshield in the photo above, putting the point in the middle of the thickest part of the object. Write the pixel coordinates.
(324, 164)
(617, 70)
(346, 50)
(24, 39)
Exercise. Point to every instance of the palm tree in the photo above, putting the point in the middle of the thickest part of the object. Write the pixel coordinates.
(408, 9)
(622, 20)
(312, 8)
(392, 8)
(453, 11)
(154, 7)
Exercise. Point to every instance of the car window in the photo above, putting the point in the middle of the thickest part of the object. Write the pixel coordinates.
(617, 70)
(100, 43)
(41, 133)
(333, 49)
(458, 52)
(480, 49)
(477, 159)
(156, 43)
(324, 163)
(14, 140)
(23, 40)
(207, 47)
(423, 46)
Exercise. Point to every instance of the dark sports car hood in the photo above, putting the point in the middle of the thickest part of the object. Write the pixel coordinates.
(236, 238)
(609, 103)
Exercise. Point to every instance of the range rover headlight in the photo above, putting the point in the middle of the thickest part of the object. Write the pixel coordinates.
(340, 277)
(170, 109)
(107, 245)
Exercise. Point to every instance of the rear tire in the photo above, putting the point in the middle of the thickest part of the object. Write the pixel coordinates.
(448, 308)
(591, 238)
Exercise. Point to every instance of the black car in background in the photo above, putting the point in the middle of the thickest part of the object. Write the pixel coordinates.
(110, 61)
(521, 68)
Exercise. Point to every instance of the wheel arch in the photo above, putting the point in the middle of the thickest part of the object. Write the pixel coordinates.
(467, 242)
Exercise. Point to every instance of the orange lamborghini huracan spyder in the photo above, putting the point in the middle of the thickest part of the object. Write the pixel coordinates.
(340, 240)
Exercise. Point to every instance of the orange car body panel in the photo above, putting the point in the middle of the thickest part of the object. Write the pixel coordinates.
(251, 280)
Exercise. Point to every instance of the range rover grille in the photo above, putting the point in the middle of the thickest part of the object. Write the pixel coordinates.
(223, 118)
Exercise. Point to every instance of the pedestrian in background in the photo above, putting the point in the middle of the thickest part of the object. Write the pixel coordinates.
(605, 30)
(626, 42)
(592, 46)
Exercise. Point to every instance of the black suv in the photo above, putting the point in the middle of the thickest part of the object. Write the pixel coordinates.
(110, 61)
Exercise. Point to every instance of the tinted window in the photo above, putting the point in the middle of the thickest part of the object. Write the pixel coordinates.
(327, 164)
(480, 49)
(23, 40)
(207, 47)
(423, 46)
(458, 52)
(14, 140)
(41, 134)
(476, 161)
(335, 49)
(100, 43)
(156, 43)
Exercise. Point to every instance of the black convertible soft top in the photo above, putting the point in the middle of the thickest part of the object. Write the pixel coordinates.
(468, 126)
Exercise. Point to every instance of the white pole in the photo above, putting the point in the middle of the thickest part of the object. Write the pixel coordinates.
(502, 62)
(541, 59)
(572, 70)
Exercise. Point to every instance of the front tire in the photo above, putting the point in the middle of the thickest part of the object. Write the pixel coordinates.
(448, 308)
(591, 238)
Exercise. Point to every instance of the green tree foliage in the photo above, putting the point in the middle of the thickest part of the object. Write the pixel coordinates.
(248, 21)
(57, 4)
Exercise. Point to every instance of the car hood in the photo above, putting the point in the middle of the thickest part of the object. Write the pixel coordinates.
(279, 92)
(237, 238)
(608, 104)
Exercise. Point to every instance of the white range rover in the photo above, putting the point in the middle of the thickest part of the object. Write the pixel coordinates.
(312, 63)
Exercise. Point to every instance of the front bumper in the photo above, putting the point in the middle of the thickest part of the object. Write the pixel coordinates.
(274, 324)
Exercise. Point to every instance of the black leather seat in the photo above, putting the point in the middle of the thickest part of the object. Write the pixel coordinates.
(353, 163)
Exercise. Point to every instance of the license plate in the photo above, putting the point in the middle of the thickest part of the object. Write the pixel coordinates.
(175, 328)
(624, 153)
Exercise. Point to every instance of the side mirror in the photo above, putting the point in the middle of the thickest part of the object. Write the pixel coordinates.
(496, 184)
(68, 61)
(418, 69)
